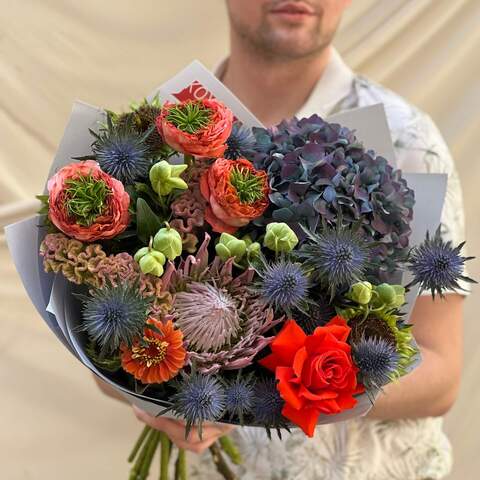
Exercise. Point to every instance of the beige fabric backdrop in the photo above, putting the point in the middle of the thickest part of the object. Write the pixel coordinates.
(54, 424)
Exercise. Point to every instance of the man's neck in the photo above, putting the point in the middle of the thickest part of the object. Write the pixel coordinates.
(272, 90)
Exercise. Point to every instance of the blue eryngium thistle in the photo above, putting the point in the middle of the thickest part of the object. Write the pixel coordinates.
(337, 257)
(239, 397)
(377, 360)
(283, 285)
(199, 398)
(240, 143)
(268, 405)
(122, 152)
(437, 266)
(114, 315)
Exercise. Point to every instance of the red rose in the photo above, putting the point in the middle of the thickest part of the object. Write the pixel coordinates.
(207, 141)
(315, 373)
(103, 217)
(236, 193)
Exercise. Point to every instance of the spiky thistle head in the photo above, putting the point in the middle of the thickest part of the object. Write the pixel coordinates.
(377, 360)
(240, 143)
(112, 315)
(338, 257)
(283, 285)
(142, 118)
(438, 266)
(387, 325)
(122, 152)
(198, 398)
(268, 404)
(239, 396)
(319, 312)
(208, 316)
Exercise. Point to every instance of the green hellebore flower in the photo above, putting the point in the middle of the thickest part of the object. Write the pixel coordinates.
(390, 295)
(361, 292)
(279, 237)
(169, 242)
(253, 250)
(229, 246)
(150, 261)
(165, 177)
(399, 295)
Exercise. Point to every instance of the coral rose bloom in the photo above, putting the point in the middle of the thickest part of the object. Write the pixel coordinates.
(158, 357)
(113, 218)
(233, 204)
(208, 141)
(315, 373)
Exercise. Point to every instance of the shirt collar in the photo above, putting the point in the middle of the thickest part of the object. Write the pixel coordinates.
(334, 85)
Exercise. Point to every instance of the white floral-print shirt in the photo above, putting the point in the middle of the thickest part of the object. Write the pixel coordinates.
(361, 449)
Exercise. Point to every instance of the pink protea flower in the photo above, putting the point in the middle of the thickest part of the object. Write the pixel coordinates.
(224, 322)
(196, 127)
(86, 203)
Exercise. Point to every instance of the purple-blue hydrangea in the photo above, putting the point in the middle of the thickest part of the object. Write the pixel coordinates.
(320, 171)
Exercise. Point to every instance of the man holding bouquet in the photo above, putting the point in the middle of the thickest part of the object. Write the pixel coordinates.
(282, 64)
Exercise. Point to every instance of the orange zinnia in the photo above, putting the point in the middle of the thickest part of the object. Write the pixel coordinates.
(158, 357)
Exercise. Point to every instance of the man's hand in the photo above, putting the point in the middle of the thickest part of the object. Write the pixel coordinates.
(175, 430)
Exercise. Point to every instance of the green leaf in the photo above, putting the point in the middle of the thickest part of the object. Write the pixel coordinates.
(148, 222)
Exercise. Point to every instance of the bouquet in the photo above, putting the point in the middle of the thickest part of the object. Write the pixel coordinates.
(216, 270)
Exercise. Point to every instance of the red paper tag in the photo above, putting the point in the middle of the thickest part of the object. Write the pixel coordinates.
(194, 91)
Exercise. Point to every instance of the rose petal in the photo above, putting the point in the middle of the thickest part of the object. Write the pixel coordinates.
(306, 418)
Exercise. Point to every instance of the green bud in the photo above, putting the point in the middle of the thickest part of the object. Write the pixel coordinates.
(361, 292)
(279, 237)
(399, 296)
(229, 246)
(169, 242)
(165, 177)
(386, 294)
(150, 261)
(253, 250)
(140, 253)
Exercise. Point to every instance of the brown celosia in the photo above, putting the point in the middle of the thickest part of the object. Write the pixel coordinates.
(89, 264)
(189, 208)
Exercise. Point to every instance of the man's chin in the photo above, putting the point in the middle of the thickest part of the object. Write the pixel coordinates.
(290, 47)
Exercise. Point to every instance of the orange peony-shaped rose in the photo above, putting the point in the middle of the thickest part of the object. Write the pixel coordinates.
(196, 127)
(158, 357)
(236, 194)
(86, 203)
(315, 373)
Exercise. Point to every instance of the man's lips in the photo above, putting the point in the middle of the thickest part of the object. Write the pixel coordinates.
(293, 9)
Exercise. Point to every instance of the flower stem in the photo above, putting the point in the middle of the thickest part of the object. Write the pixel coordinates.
(165, 449)
(135, 471)
(181, 465)
(220, 463)
(147, 462)
(229, 447)
(139, 443)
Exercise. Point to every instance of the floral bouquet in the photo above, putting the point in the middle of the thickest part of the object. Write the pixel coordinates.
(219, 271)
